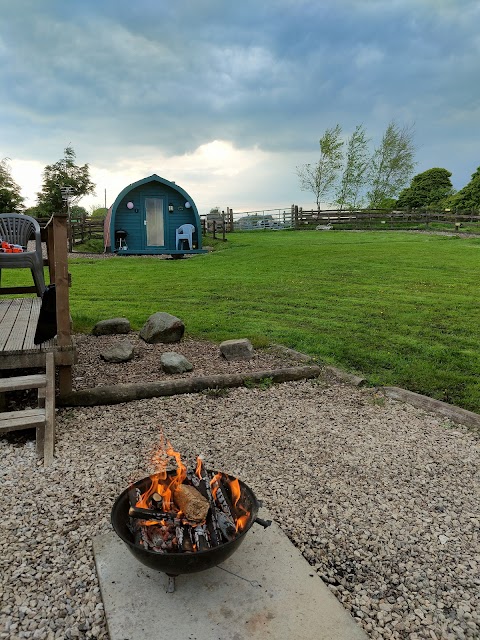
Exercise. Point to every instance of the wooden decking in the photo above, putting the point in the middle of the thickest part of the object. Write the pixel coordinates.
(18, 322)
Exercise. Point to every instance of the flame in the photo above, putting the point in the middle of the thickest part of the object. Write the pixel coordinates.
(214, 484)
(242, 520)
(162, 482)
(235, 489)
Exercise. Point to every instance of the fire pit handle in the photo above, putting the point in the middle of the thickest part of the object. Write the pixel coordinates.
(264, 523)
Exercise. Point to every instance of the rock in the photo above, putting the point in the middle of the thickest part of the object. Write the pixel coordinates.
(111, 326)
(237, 349)
(121, 352)
(162, 327)
(175, 363)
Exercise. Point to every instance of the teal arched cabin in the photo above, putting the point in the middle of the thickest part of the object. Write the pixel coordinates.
(148, 217)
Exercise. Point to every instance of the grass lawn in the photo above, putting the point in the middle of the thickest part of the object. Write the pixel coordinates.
(400, 308)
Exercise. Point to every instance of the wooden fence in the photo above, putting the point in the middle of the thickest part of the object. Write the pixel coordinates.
(84, 230)
(298, 218)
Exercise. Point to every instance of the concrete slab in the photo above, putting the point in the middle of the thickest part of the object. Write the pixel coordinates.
(266, 590)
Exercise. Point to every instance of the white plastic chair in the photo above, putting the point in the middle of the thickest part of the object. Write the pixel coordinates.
(185, 232)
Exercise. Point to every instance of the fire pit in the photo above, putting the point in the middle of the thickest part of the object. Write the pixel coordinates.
(183, 522)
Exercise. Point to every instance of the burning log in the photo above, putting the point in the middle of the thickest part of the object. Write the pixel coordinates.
(183, 533)
(134, 496)
(200, 535)
(225, 514)
(191, 502)
(150, 514)
(157, 501)
(226, 526)
(202, 482)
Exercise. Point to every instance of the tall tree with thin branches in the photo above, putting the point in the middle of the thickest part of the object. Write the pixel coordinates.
(391, 165)
(349, 192)
(321, 178)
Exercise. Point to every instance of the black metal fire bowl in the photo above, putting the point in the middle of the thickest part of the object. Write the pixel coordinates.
(177, 563)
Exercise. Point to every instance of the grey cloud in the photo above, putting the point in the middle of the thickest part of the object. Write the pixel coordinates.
(109, 76)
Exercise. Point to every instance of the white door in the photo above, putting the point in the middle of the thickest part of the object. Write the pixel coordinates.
(154, 222)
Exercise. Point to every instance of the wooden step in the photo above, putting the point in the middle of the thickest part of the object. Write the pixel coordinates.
(23, 382)
(26, 419)
(43, 418)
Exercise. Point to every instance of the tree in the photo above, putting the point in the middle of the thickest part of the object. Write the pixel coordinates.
(355, 170)
(78, 213)
(64, 173)
(391, 165)
(98, 213)
(321, 178)
(426, 189)
(11, 199)
(467, 198)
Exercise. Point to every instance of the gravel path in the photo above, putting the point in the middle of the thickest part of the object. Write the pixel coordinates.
(381, 498)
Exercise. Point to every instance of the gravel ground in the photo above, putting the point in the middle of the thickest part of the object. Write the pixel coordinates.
(381, 498)
(145, 366)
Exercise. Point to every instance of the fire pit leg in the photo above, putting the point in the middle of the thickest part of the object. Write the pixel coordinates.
(171, 583)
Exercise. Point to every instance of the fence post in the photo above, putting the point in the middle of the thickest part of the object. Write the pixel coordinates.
(230, 219)
(223, 226)
(214, 224)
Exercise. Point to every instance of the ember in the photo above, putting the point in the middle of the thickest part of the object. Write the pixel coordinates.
(184, 511)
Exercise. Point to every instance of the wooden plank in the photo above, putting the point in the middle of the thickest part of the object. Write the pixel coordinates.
(17, 336)
(14, 420)
(4, 304)
(49, 434)
(22, 382)
(8, 322)
(32, 325)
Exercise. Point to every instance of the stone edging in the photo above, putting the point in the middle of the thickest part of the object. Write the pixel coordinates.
(450, 411)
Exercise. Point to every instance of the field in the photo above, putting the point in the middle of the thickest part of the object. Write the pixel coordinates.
(400, 308)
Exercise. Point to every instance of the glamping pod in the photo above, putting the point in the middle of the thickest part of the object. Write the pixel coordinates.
(153, 216)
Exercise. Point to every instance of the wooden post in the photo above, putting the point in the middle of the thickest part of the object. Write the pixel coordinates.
(64, 339)
(214, 224)
(223, 226)
(49, 433)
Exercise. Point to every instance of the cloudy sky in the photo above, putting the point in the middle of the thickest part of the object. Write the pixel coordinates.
(227, 98)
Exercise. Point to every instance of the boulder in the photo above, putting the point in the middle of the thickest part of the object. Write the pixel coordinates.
(236, 349)
(162, 327)
(112, 326)
(121, 352)
(175, 363)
